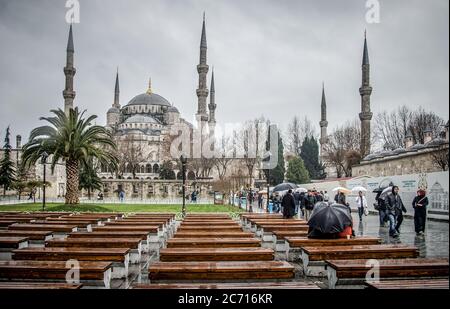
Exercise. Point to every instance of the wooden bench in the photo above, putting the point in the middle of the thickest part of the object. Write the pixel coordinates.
(207, 229)
(6, 223)
(155, 235)
(223, 271)
(209, 223)
(56, 229)
(341, 272)
(228, 286)
(91, 273)
(7, 244)
(213, 242)
(134, 244)
(75, 220)
(120, 257)
(33, 236)
(38, 286)
(147, 243)
(215, 254)
(17, 219)
(294, 244)
(81, 225)
(231, 234)
(313, 258)
(435, 284)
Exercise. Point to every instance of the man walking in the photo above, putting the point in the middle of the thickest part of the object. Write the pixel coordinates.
(288, 205)
(395, 208)
(362, 204)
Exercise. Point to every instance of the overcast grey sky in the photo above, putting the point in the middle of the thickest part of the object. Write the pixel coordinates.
(270, 57)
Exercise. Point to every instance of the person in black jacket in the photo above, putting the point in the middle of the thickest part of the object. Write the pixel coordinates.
(420, 204)
(288, 205)
(395, 209)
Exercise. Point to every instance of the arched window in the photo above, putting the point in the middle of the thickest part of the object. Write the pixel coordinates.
(191, 175)
(142, 169)
(149, 169)
(180, 176)
(156, 168)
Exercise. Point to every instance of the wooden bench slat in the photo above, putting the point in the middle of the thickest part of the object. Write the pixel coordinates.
(295, 242)
(213, 242)
(362, 251)
(221, 270)
(32, 235)
(63, 254)
(106, 234)
(215, 254)
(38, 286)
(410, 284)
(132, 243)
(189, 234)
(229, 286)
(38, 227)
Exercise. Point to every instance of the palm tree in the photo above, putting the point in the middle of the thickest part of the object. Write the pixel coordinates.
(74, 140)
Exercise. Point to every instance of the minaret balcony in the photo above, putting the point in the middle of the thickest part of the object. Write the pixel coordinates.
(202, 92)
(203, 68)
(70, 70)
(365, 90)
(364, 116)
(324, 123)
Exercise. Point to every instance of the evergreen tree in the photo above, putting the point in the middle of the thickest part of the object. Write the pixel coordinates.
(166, 172)
(276, 174)
(310, 157)
(296, 172)
(7, 170)
(89, 179)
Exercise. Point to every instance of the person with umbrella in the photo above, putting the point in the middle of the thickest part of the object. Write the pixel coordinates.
(420, 204)
(288, 204)
(330, 222)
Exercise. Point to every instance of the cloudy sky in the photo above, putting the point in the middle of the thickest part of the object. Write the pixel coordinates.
(270, 57)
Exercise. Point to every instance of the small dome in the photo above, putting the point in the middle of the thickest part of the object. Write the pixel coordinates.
(141, 119)
(149, 99)
(399, 151)
(417, 147)
(173, 109)
(114, 110)
(436, 142)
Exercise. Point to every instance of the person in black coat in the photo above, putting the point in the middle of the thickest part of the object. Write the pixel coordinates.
(288, 205)
(395, 209)
(420, 204)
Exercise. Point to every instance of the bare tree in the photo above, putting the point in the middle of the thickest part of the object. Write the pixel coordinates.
(440, 157)
(298, 130)
(131, 156)
(392, 127)
(342, 151)
(224, 156)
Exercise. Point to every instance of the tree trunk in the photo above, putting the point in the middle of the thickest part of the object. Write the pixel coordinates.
(72, 191)
(89, 193)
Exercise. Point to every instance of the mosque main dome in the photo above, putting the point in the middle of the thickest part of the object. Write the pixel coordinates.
(149, 99)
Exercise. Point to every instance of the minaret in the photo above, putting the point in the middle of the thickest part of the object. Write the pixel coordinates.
(113, 115)
(323, 124)
(69, 71)
(202, 68)
(212, 107)
(366, 90)
(116, 103)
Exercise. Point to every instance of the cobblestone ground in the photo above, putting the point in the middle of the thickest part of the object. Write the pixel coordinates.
(435, 243)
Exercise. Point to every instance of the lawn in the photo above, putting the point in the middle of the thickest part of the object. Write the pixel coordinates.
(120, 208)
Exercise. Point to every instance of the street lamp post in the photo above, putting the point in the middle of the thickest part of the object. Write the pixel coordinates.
(44, 162)
(267, 158)
(183, 160)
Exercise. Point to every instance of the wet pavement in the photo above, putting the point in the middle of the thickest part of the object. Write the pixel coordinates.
(434, 243)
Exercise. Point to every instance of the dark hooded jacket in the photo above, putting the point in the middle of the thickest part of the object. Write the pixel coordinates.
(394, 204)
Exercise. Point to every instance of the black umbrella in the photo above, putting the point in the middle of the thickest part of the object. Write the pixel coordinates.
(285, 186)
(328, 219)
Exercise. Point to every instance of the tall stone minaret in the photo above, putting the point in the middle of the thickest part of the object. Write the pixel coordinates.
(366, 90)
(202, 91)
(323, 124)
(69, 71)
(212, 107)
(116, 103)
